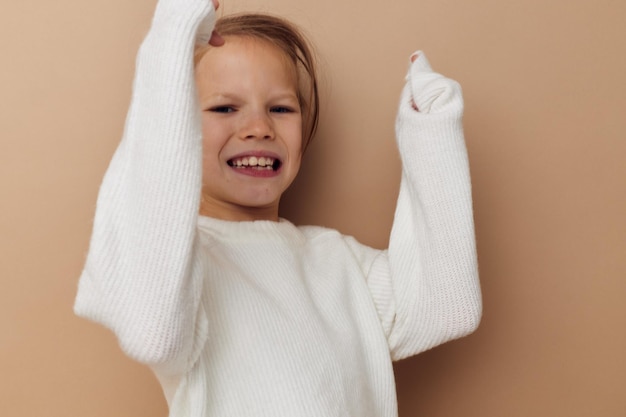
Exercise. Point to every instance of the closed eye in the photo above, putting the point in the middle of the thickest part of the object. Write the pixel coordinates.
(282, 109)
(222, 109)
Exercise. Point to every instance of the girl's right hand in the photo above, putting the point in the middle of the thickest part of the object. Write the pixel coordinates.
(216, 39)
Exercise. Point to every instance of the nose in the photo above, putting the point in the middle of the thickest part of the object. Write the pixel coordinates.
(257, 125)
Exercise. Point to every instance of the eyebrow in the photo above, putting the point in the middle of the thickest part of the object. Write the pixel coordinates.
(228, 96)
(286, 95)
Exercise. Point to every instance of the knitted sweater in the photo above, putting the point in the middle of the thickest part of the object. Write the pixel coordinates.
(265, 318)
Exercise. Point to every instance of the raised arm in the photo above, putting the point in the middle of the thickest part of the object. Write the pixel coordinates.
(432, 253)
(141, 278)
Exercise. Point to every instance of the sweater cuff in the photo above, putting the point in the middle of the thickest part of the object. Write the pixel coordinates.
(431, 92)
(198, 15)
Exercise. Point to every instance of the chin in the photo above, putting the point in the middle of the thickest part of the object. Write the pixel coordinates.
(259, 202)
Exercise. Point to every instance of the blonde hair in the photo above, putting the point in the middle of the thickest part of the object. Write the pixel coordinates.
(289, 39)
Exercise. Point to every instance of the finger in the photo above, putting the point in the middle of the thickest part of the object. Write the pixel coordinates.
(216, 39)
(420, 62)
(216, 4)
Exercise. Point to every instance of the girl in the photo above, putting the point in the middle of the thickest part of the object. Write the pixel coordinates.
(238, 312)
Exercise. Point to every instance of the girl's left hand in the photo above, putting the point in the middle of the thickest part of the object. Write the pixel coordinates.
(413, 58)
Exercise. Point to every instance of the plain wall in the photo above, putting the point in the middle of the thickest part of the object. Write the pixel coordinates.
(546, 132)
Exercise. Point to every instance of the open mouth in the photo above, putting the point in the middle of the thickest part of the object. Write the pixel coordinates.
(254, 162)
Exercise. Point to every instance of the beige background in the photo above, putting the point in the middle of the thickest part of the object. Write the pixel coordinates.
(546, 132)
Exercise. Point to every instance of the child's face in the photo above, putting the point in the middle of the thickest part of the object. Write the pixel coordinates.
(251, 126)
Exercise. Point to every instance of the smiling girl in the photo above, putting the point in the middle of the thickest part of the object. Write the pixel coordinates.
(237, 311)
(251, 126)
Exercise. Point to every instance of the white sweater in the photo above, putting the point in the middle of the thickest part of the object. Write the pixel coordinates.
(266, 318)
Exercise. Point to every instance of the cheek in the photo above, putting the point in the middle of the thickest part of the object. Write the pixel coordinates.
(210, 128)
(214, 137)
(295, 137)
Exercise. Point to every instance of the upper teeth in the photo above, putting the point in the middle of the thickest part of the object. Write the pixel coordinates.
(253, 161)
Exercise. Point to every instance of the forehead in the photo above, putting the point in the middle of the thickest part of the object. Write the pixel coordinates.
(245, 59)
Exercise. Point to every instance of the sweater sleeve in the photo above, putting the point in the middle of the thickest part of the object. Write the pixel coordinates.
(142, 278)
(429, 274)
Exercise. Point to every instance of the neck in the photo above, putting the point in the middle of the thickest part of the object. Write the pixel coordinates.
(234, 212)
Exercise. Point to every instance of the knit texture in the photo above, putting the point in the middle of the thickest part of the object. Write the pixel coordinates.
(266, 318)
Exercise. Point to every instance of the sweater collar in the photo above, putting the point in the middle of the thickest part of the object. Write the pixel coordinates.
(249, 229)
